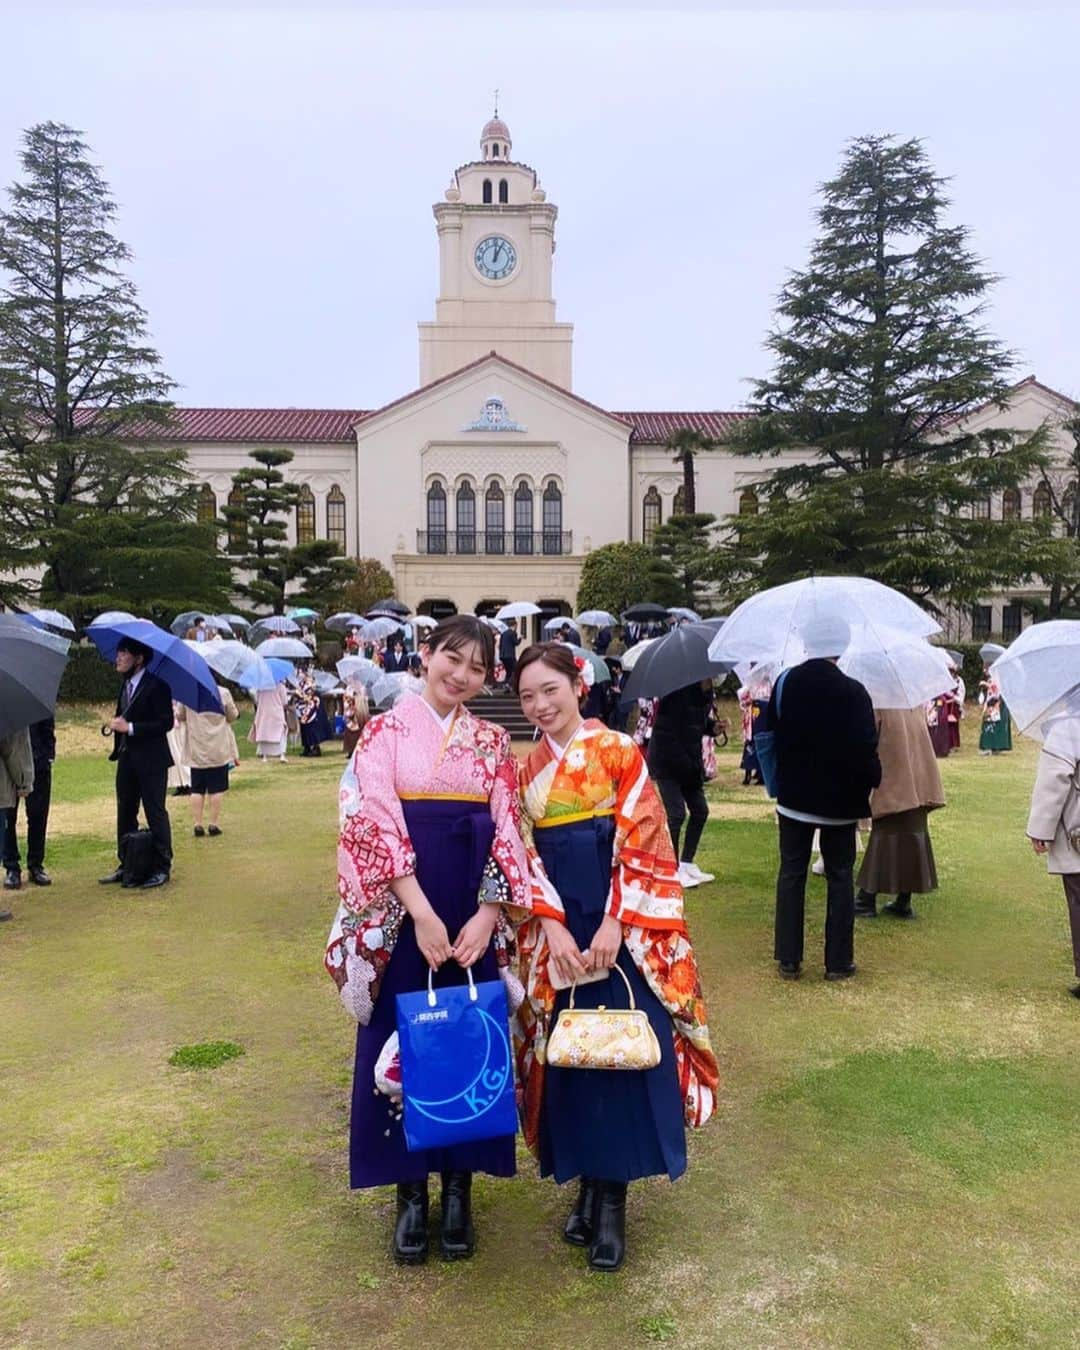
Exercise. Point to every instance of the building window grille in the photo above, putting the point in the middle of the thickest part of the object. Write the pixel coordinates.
(436, 518)
(748, 502)
(335, 517)
(305, 516)
(504, 192)
(494, 519)
(552, 518)
(206, 508)
(1040, 502)
(1012, 620)
(465, 508)
(487, 191)
(1010, 504)
(982, 619)
(651, 514)
(980, 508)
(523, 518)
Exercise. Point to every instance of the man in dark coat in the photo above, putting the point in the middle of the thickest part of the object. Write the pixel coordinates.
(144, 717)
(826, 766)
(43, 745)
(676, 766)
(508, 645)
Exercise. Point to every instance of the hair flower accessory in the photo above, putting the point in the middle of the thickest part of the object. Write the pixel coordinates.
(579, 661)
(586, 670)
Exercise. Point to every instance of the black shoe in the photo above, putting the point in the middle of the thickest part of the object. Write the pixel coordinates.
(866, 905)
(213, 831)
(410, 1231)
(457, 1242)
(608, 1247)
(5, 914)
(13, 880)
(900, 908)
(158, 879)
(116, 876)
(1075, 990)
(578, 1229)
(40, 877)
(198, 832)
(790, 970)
(844, 974)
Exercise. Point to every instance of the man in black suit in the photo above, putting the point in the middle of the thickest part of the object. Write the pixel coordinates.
(144, 717)
(826, 766)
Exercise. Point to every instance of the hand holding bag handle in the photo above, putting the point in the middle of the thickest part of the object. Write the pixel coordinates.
(603, 1038)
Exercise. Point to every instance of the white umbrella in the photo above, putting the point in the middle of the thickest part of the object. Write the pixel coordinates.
(219, 623)
(276, 623)
(680, 612)
(424, 621)
(358, 670)
(518, 609)
(630, 656)
(556, 622)
(1039, 676)
(596, 618)
(341, 623)
(497, 624)
(381, 628)
(292, 649)
(990, 651)
(905, 674)
(388, 688)
(767, 626)
(230, 659)
(52, 618)
(112, 616)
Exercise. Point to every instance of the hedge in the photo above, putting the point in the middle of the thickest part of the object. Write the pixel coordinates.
(88, 678)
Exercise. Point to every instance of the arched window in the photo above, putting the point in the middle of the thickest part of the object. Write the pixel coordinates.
(748, 502)
(494, 520)
(495, 149)
(651, 513)
(237, 528)
(504, 192)
(678, 505)
(1040, 501)
(305, 516)
(206, 508)
(523, 518)
(1010, 504)
(980, 508)
(465, 508)
(335, 516)
(436, 518)
(552, 518)
(487, 191)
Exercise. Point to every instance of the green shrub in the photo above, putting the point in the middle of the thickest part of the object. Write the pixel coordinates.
(88, 678)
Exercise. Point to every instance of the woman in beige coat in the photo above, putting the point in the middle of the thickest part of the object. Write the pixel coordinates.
(899, 859)
(211, 748)
(1054, 822)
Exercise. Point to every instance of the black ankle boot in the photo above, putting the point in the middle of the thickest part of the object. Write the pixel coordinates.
(410, 1231)
(579, 1226)
(866, 905)
(608, 1246)
(456, 1238)
(900, 908)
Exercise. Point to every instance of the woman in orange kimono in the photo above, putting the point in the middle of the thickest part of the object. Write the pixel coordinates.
(605, 892)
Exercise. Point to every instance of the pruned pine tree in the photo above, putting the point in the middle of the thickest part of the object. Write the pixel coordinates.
(82, 393)
(880, 354)
(685, 543)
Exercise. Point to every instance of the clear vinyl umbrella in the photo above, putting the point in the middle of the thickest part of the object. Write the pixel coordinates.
(1039, 675)
(518, 609)
(50, 619)
(596, 618)
(358, 670)
(767, 626)
(292, 649)
(902, 672)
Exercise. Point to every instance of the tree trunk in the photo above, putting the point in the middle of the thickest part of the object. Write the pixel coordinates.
(689, 490)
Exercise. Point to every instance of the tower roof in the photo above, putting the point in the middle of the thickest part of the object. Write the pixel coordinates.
(496, 127)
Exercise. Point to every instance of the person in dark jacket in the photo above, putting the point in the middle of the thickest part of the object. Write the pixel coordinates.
(144, 716)
(43, 745)
(826, 766)
(676, 766)
(508, 645)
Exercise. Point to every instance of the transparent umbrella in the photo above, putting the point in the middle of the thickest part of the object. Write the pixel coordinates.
(112, 616)
(518, 609)
(905, 673)
(596, 618)
(1039, 675)
(51, 619)
(341, 623)
(356, 670)
(631, 656)
(292, 649)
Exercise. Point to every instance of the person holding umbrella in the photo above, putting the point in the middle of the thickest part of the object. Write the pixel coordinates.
(144, 717)
(43, 749)
(508, 645)
(16, 779)
(995, 737)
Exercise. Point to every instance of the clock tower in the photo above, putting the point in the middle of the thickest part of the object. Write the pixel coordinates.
(496, 233)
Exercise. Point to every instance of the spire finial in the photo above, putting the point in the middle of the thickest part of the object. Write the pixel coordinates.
(496, 103)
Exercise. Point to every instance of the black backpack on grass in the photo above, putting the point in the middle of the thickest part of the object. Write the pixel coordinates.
(137, 857)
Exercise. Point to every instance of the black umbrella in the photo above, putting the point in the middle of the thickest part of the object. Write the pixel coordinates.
(389, 609)
(674, 661)
(31, 664)
(644, 613)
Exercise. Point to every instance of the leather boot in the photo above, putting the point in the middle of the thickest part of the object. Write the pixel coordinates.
(608, 1246)
(900, 908)
(410, 1231)
(866, 905)
(579, 1226)
(456, 1239)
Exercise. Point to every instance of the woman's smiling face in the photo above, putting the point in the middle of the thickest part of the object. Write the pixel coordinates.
(454, 677)
(550, 699)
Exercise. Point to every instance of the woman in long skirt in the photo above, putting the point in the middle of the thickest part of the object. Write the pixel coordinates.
(996, 733)
(270, 728)
(431, 871)
(605, 892)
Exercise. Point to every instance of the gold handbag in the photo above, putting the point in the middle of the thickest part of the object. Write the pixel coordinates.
(603, 1038)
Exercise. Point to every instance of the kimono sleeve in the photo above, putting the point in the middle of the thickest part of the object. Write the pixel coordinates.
(374, 845)
(645, 888)
(544, 900)
(506, 876)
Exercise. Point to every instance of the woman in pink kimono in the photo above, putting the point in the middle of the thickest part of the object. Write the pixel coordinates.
(270, 730)
(431, 873)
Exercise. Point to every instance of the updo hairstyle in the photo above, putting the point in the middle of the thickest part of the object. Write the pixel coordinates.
(556, 656)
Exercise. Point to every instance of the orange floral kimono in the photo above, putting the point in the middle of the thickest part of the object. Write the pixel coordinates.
(602, 772)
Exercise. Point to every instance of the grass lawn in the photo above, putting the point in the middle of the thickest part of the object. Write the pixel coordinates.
(894, 1162)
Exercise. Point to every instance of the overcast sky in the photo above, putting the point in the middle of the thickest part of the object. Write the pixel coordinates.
(275, 170)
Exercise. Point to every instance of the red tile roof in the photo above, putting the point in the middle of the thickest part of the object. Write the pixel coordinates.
(656, 427)
(288, 425)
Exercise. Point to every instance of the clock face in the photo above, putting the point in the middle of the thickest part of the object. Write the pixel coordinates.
(495, 257)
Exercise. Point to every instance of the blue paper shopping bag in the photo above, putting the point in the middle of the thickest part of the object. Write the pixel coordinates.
(456, 1069)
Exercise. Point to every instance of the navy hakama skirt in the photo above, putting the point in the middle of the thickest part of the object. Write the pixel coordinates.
(452, 839)
(607, 1124)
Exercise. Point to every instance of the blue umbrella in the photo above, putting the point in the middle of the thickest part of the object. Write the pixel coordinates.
(188, 676)
(270, 671)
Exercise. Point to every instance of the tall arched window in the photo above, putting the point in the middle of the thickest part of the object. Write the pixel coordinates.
(1010, 504)
(1040, 501)
(305, 516)
(651, 513)
(504, 192)
(465, 509)
(678, 505)
(206, 509)
(487, 191)
(237, 528)
(552, 518)
(523, 518)
(494, 520)
(436, 518)
(980, 508)
(335, 517)
(495, 149)
(748, 502)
